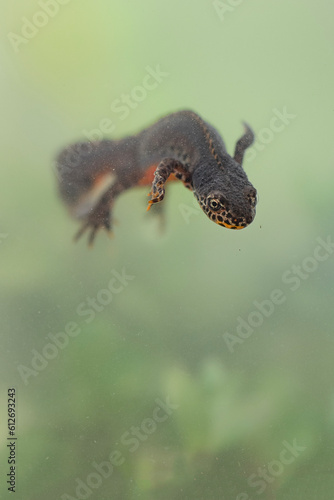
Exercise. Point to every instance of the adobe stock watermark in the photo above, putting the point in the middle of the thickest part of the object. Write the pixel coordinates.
(130, 441)
(268, 474)
(87, 309)
(187, 211)
(293, 278)
(31, 27)
(278, 122)
(121, 108)
(223, 8)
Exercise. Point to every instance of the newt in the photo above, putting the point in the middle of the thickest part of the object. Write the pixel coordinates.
(180, 146)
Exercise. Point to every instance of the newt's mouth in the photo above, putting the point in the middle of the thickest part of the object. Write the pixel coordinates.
(230, 226)
(234, 222)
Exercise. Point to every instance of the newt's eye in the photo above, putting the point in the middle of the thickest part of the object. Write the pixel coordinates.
(215, 204)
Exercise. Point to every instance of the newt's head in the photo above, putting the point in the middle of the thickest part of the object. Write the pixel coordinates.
(225, 195)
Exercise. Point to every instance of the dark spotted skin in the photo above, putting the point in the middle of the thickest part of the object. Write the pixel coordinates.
(181, 144)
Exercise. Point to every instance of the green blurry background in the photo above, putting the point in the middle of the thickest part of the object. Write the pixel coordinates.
(164, 336)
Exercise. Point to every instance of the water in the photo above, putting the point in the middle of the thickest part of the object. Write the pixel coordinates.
(208, 375)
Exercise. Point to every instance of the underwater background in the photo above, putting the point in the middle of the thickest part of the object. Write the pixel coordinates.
(209, 374)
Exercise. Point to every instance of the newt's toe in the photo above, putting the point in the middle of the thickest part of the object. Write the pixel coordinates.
(150, 203)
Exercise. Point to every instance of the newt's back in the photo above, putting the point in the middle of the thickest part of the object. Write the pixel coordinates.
(181, 135)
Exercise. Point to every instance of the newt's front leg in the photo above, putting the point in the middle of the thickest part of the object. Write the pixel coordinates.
(165, 168)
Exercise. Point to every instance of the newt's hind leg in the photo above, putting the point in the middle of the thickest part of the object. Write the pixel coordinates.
(243, 143)
(165, 168)
(99, 216)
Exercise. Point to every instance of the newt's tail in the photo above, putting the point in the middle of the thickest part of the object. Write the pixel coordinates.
(81, 167)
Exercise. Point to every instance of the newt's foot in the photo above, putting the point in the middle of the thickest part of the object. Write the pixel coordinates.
(98, 218)
(166, 167)
(157, 192)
